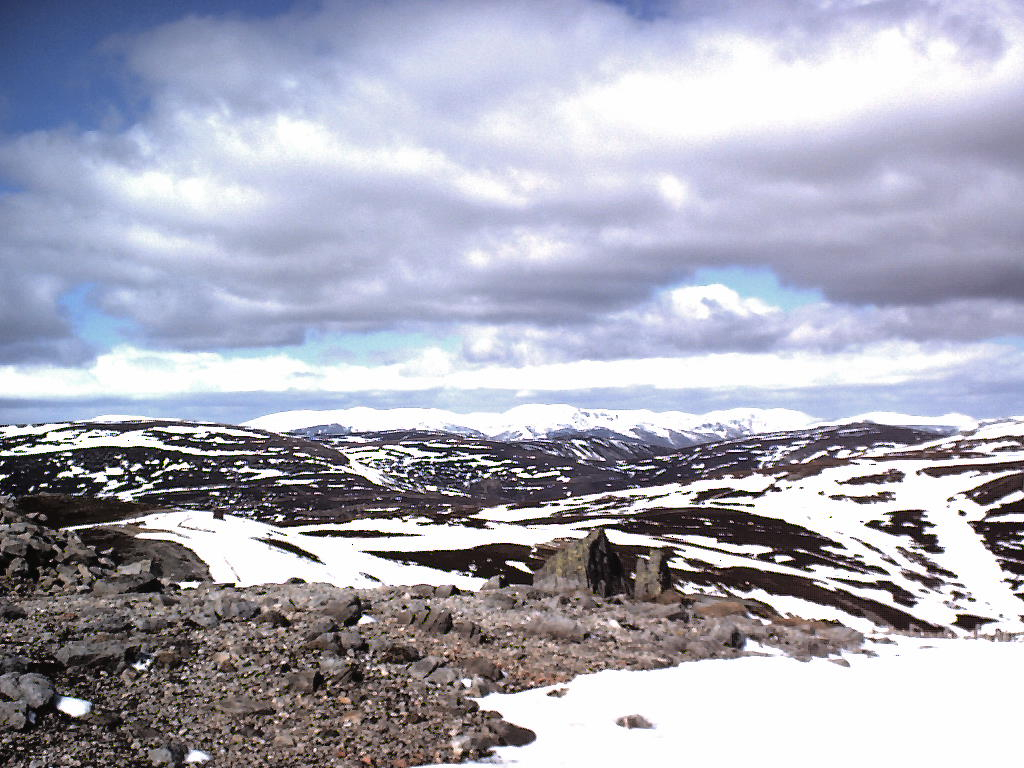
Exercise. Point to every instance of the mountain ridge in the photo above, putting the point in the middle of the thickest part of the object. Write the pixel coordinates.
(668, 429)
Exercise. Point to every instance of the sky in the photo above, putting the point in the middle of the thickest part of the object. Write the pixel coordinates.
(216, 209)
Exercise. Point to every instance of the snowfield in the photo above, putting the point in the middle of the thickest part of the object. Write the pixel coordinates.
(929, 702)
(247, 552)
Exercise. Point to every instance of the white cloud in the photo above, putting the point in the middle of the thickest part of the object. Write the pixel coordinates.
(702, 302)
(129, 372)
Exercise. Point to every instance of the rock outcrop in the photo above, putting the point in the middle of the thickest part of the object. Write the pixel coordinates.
(591, 564)
(34, 556)
(653, 577)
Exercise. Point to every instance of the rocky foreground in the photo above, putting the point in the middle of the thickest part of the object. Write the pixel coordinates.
(105, 661)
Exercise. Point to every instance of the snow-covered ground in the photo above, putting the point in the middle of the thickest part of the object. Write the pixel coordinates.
(928, 702)
(247, 552)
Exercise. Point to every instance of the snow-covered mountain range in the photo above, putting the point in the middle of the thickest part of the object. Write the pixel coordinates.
(671, 429)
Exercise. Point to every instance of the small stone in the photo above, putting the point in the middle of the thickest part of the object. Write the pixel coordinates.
(127, 583)
(479, 687)
(274, 618)
(222, 661)
(339, 670)
(473, 742)
(443, 676)
(485, 668)
(320, 626)
(103, 718)
(351, 641)
(469, 630)
(235, 609)
(92, 652)
(17, 664)
(169, 754)
(556, 627)
(510, 734)
(346, 611)
(150, 624)
(284, 739)
(720, 609)
(37, 690)
(634, 721)
(9, 687)
(13, 715)
(394, 653)
(205, 618)
(244, 705)
(495, 582)
(11, 611)
(328, 641)
(306, 681)
(137, 568)
(424, 666)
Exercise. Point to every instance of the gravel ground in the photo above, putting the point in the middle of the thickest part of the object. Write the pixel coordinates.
(311, 674)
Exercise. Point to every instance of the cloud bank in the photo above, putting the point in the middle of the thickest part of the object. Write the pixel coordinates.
(542, 181)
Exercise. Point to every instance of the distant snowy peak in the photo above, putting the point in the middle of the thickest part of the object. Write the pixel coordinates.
(951, 421)
(539, 422)
(362, 419)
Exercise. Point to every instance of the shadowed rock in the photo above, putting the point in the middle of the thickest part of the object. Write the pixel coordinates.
(591, 564)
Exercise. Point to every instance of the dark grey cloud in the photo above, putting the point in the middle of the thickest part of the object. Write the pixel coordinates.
(694, 321)
(524, 166)
(33, 326)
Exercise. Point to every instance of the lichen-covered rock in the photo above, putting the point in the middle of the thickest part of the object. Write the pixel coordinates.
(591, 563)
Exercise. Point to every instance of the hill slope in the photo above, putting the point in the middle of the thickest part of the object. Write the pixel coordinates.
(862, 523)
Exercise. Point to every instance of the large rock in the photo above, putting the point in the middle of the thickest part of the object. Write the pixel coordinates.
(591, 564)
(652, 576)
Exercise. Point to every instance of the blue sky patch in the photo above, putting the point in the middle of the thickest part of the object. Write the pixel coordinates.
(758, 283)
